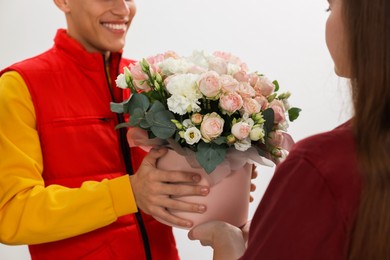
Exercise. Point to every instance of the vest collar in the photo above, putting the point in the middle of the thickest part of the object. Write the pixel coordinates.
(74, 50)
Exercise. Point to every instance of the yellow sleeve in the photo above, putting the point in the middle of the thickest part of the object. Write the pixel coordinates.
(31, 213)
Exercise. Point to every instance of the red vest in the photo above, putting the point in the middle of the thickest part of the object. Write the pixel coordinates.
(71, 95)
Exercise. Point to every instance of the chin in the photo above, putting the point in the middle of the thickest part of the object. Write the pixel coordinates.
(342, 73)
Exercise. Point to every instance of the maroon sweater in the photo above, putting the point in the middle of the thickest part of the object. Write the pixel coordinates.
(308, 209)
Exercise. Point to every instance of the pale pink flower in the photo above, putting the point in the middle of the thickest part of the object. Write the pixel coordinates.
(264, 86)
(218, 65)
(139, 77)
(251, 106)
(276, 138)
(253, 79)
(228, 83)
(209, 84)
(279, 112)
(196, 118)
(246, 90)
(263, 102)
(241, 130)
(231, 59)
(230, 102)
(241, 76)
(211, 127)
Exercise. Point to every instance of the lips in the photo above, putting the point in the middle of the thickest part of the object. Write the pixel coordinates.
(115, 26)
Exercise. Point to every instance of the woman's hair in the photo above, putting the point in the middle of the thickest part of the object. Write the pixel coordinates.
(368, 39)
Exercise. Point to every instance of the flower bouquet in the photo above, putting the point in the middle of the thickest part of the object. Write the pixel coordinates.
(217, 117)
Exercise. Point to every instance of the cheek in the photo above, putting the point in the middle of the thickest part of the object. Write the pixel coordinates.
(335, 41)
(133, 10)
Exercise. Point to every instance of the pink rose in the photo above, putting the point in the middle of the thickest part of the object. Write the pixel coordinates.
(230, 102)
(209, 84)
(218, 65)
(211, 127)
(231, 58)
(139, 77)
(228, 83)
(253, 79)
(241, 130)
(276, 138)
(264, 86)
(263, 102)
(241, 76)
(246, 90)
(279, 112)
(196, 118)
(251, 106)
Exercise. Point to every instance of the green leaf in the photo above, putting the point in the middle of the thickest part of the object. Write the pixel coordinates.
(210, 155)
(136, 117)
(162, 126)
(138, 101)
(121, 125)
(220, 140)
(269, 117)
(120, 108)
(276, 83)
(293, 113)
(160, 122)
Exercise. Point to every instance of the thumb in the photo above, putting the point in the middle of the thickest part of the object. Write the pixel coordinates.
(154, 154)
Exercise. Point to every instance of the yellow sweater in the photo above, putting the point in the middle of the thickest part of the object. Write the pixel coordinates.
(31, 213)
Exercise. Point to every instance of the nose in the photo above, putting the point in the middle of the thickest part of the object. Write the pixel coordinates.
(121, 7)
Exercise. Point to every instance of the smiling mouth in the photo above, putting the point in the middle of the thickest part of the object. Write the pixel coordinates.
(116, 26)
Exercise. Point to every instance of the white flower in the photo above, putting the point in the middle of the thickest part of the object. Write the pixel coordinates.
(121, 81)
(172, 66)
(185, 94)
(232, 68)
(200, 59)
(243, 145)
(192, 135)
(257, 133)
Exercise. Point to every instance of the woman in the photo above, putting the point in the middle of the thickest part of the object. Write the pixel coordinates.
(330, 199)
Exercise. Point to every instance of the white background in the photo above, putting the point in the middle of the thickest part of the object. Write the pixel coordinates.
(282, 39)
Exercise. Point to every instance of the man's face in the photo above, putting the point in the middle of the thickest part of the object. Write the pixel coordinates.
(100, 25)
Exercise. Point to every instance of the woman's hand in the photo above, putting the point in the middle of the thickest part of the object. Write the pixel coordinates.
(226, 240)
(153, 188)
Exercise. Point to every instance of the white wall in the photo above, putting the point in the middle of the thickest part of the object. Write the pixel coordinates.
(283, 39)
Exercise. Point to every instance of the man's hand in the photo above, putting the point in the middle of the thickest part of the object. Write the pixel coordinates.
(226, 240)
(153, 189)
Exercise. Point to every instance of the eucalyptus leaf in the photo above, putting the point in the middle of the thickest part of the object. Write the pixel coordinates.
(161, 124)
(269, 118)
(220, 140)
(120, 108)
(136, 117)
(121, 125)
(293, 113)
(138, 101)
(210, 155)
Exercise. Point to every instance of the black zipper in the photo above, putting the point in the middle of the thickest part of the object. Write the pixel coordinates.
(129, 168)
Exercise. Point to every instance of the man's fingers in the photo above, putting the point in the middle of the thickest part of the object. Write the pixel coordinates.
(177, 177)
(166, 216)
(178, 190)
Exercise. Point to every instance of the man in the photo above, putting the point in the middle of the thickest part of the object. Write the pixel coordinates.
(63, 170)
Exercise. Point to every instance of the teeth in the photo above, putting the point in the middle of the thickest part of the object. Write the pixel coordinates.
(115, 26)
